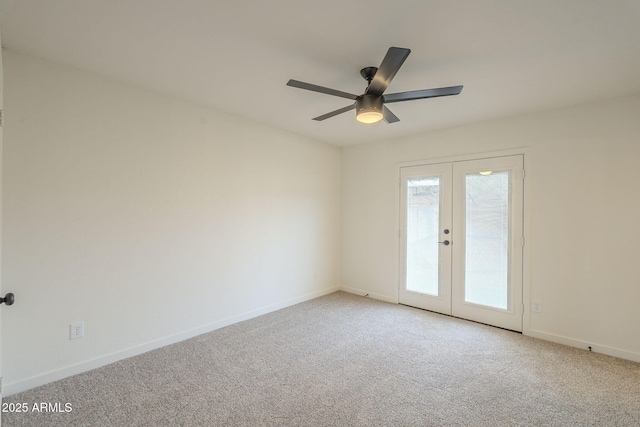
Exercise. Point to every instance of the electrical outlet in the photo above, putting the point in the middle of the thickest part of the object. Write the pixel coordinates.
(536, 306)
(76, 330)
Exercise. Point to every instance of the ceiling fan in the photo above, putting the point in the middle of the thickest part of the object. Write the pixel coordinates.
(370, 106)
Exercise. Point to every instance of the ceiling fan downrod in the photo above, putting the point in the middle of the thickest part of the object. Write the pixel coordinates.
(368, 73)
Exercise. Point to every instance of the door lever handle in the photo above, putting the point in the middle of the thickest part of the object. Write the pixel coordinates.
(446, 242)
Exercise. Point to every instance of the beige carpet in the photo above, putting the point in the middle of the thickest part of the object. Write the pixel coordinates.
(344, 360)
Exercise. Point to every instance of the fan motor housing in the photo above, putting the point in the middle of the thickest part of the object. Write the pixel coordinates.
(369, 102)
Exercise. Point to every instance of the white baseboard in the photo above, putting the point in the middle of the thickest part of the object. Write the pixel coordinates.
(595, 347)
(98, 362)
(363, 293)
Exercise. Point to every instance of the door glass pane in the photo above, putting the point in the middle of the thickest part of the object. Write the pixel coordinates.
(423, 214)
(487, 239)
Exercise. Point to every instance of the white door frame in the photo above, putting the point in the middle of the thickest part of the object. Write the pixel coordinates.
(526, 222)
(1, 151)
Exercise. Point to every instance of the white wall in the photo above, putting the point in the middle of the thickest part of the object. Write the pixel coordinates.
(148, 218)
(584, 211)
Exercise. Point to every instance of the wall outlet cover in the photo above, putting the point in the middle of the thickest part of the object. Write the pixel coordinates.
(76, 330)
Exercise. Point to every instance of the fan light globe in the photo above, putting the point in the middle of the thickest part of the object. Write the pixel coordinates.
(369, 108)
(370, 116)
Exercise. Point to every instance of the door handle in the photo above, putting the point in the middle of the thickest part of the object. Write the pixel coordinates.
(8, 299)
(446, 242)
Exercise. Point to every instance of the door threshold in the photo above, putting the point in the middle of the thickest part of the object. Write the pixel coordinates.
(461, 318)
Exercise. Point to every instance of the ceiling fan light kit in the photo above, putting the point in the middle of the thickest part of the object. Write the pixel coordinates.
(370, 106)
(369, 109)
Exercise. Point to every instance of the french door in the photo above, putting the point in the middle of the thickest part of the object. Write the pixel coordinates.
(461, 239)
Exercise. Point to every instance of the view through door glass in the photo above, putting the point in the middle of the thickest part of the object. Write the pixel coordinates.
(487, 239)
(423, 222)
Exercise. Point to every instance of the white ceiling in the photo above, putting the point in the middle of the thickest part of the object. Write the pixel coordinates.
(512, 56)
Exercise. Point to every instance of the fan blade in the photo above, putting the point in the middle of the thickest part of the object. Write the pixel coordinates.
(388, 116)
(321, 89)
(390, 65)
(335, 113)
(421, 94)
